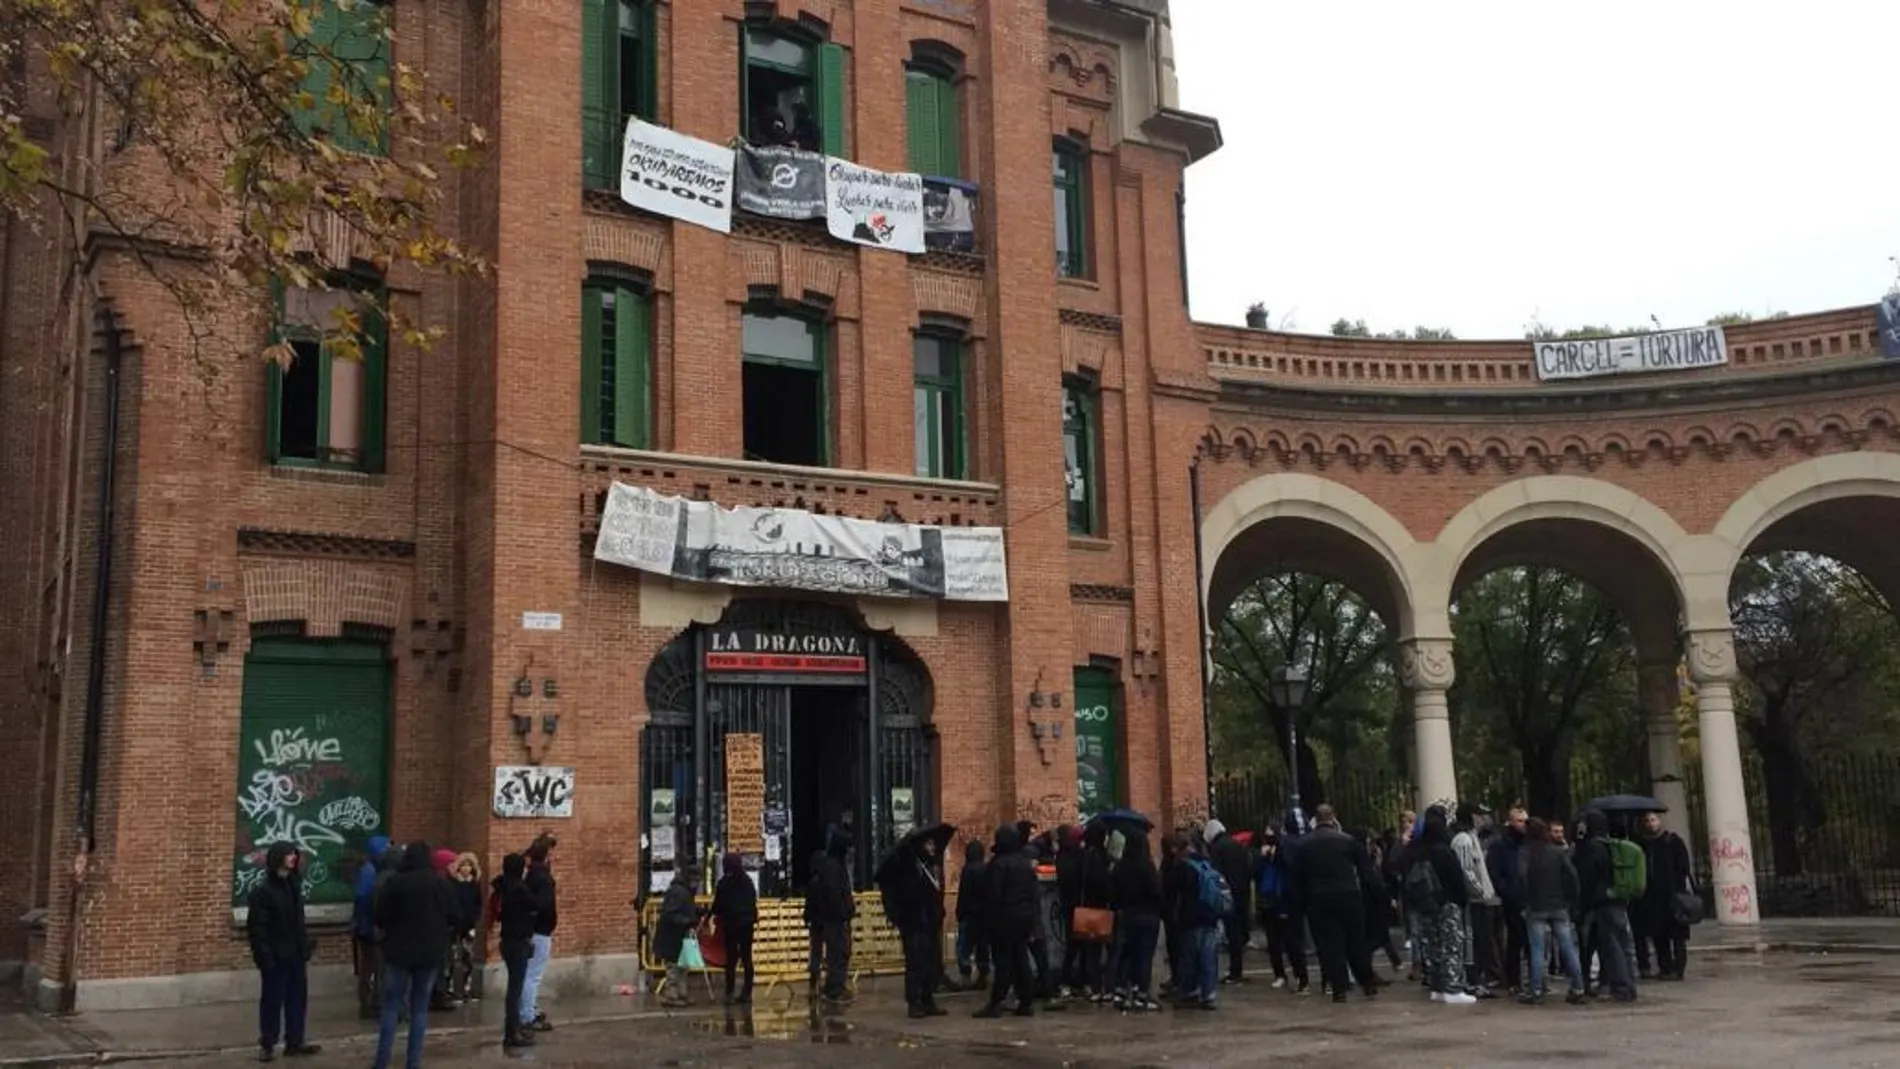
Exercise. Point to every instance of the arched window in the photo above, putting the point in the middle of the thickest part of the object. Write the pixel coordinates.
(1081, 437)
(793, 90)
(937, 355)
(786, 387)
(1072, 212)
(934, 119)
(618, 50)
(325, 405)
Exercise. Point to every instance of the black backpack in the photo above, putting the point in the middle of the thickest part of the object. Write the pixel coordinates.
(1422, 890)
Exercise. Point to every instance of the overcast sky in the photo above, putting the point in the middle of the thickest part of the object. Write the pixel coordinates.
(1480, 164)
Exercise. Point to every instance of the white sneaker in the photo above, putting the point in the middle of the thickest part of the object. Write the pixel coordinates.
(1460, 1000)
(1279, 982)
(1438, 996)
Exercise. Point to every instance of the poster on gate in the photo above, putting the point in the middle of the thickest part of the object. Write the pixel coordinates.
(667, 173)
(881, 209)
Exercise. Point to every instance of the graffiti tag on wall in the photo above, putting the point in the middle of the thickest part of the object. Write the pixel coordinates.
(296, 786)
(533, 791)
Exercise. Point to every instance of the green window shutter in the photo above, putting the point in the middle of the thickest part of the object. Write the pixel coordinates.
(370, 43)
(316, 712)
(831, 97)
(590, 366)
(357, 54)
(274, 384)
(375, 346)
(631, 413)
(648, 106)
(600, 50)
(920, 96)
(317, 71)
(949, 130)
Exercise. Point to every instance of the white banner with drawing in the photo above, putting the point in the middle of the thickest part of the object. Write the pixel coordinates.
(793, 548)
(533, 791)
(875, 208)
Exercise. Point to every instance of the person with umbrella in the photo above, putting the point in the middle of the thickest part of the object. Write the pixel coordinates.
(912, 885)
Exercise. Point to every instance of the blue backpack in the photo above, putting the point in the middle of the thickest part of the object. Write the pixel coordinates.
(1216, 899)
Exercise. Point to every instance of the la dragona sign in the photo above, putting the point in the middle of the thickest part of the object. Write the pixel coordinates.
(730, 650)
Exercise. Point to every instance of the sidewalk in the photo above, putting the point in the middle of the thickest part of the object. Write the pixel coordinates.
(28, 1039)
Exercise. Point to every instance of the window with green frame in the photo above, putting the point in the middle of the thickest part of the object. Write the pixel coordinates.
(1072, 210)
(1080, 438)
(325, 408)
(616, 364)
(346, 75)
(786, 388)
(791, 90)
(936, 128)
(618, 61)
(938, 404)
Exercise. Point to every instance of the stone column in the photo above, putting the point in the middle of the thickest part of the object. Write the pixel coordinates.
(1425, 669)
(1725, 801)
(1661, 693)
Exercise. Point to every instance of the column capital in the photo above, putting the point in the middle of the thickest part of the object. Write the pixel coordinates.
(1426, 664)
(1711, 656)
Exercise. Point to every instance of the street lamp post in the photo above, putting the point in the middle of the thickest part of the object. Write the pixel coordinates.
(1288, 689)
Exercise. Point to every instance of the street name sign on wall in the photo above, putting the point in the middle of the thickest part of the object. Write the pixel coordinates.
(1588, 358)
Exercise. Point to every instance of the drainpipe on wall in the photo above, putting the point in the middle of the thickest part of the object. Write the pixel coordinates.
(87, 816)
(1200, 639)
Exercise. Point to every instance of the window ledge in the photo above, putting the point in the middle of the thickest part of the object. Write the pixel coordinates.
(332, 476)
(792, 471)
(1079, 283)
(1091, 543)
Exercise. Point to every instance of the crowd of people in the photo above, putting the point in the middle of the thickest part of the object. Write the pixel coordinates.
(415, 930)
(1480, 909)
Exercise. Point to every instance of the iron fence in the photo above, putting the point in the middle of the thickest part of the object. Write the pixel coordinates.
(1826, 833)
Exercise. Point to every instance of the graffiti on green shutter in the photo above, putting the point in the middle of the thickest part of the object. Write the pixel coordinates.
(312, 761)
(1097, 742)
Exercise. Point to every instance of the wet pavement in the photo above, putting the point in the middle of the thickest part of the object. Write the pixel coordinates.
(1820, 1010)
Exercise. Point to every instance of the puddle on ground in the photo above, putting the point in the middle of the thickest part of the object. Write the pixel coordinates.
(814, 1026)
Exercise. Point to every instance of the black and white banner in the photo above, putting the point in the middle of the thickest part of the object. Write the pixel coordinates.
(667, 173)
(1676, 350)
(876, 208)
(784, 183)
(1887, 314)
(949, 214)
(799, 550)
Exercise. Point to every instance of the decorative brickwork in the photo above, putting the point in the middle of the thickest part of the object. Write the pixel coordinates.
(324, 595)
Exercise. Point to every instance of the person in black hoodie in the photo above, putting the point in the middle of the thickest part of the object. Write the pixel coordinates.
(1547, 885)
(1011, 919)
(515, 912)
(1333, 868)
(1082, 881)
(547, 916)
(1501, 861)
(1606, 919)
(417, 913)
(1442, 908)
(679, 916)
(913, 902)
(1654, 915)
(280, 948)
(829, 908)
(1234, 862)
(973, 944)
(1037, 848)
(735, 906)
(1139, 901)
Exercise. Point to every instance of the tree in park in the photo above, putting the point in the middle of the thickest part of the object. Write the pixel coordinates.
(1316, 623)
(1540, 655)
(236, 135)
(1815, 643)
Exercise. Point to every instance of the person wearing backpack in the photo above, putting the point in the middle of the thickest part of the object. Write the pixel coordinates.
(1609, 878)
(1202, 899)
(1436, 890)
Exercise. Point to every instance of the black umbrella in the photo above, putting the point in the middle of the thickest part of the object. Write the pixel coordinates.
(1626, 803)
(941, 834)
(1123, 820)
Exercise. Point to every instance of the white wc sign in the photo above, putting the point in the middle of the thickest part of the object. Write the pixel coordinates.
(533, 791)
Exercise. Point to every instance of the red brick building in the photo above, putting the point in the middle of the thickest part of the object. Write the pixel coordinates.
(341, 597)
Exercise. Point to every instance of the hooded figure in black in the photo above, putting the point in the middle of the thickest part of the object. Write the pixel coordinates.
(829, 908)
(1606, 920)
(1011, 919)
(515, 916)
(280, 948)
(417, 911)
(913, 901)
(973, 941)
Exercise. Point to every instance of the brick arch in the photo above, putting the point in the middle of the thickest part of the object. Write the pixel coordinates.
(1293, 495)
(323, 595)
(1788, 491)
(1549, 497)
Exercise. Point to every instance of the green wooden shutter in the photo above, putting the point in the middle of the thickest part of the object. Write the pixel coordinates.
(920, 98)
(632, 416)
(274, 383)
(949, 130)
(600, 53)
(317, 72)
(374, 343)
(590, 366)
(831, 97)
(370, 51)
(648, 106)
(313, 760)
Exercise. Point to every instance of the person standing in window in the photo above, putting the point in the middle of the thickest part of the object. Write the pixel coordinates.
(280, 948)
